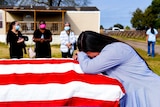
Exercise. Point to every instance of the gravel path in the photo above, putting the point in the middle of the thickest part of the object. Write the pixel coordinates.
(142, 45)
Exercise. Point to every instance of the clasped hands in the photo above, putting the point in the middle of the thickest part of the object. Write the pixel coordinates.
(20, 40)
(69, 45)
(43, 40)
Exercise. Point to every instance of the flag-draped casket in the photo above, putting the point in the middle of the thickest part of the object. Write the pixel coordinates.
(54, 82)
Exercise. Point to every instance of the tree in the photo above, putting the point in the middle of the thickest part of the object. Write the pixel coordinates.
(127, 28)
(151, 15)
(155, 5)
(119, 26)
(101, 27)
(155, 11)
(137, 20)
(47, 2)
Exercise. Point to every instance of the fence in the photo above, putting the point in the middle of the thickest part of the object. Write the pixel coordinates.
(129, 34)
(27, 27)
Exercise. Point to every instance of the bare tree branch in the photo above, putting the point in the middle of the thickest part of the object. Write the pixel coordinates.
(46, 3)
(59, 2)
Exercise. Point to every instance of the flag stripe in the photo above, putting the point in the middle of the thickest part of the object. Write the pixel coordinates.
(38, 61)
(62, 78)
(39, 68)
(74, 101)
(53, 91)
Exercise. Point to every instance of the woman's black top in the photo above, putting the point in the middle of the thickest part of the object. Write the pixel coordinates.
(16, 49)
(43, 49)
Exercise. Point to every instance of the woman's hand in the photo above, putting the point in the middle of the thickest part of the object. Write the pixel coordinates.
(75, 56)
(69, 45)
(20, 40)
(147, 39)
(42, 40)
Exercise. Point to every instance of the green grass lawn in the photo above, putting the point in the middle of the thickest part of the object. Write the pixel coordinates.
(4, 51)
(154, 63)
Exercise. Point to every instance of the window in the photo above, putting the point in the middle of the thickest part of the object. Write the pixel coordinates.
(1, 21)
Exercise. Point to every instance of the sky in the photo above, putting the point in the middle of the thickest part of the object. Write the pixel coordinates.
(118, 11)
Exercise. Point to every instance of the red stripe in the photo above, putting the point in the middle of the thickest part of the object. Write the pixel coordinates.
(30, 78)
(37, 61)
(61, 78)
(75, 101)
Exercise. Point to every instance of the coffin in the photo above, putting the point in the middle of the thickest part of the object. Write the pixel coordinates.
(55, 82)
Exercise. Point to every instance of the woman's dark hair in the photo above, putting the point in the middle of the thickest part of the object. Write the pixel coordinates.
(10, 28)
(11, 25)
(152, 29)
(94, 42)
(42, 22)
(68, 23)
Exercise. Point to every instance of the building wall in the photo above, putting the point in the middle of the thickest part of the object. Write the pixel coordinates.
(83, 20)
(2, 30)
(80, 21)
(12, 17)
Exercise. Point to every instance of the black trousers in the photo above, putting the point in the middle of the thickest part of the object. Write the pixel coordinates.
(67, 54)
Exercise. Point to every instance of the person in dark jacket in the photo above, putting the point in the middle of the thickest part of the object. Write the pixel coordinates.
(15, 40)
(42, 37)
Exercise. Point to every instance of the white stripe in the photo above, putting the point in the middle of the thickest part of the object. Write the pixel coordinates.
(39, 68)
(55, 91)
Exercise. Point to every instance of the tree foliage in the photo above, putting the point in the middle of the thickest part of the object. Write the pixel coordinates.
(127, 28)
(101, 27)
(151, 15)
(155, 7)
(137, 20)
(119, 26)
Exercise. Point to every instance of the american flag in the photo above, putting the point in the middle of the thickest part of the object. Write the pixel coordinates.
(54, 82)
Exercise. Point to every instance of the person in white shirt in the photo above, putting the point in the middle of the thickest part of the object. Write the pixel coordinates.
(151, 39)
(68, 39)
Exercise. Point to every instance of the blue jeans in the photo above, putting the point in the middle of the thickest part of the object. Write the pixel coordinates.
(153, 48)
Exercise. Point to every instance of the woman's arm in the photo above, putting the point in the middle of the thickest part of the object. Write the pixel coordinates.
(109, 58)
(50, 36)
(35, 39)
(48, 40)
(146, 38)
(8, 38)
(72, 38)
